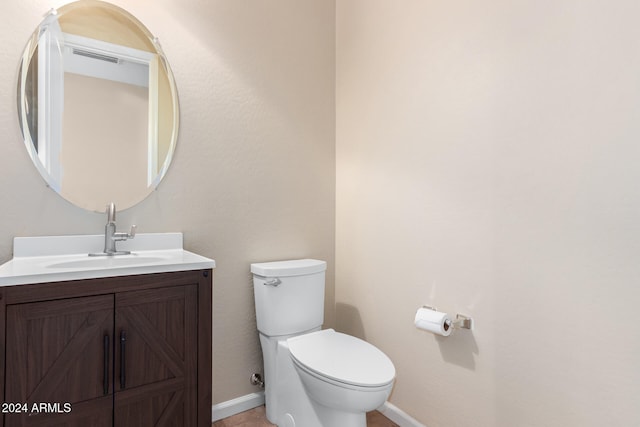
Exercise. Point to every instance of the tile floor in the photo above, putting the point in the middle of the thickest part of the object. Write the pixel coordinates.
(256, 418)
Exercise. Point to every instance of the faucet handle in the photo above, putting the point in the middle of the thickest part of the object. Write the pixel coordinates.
(117, 237)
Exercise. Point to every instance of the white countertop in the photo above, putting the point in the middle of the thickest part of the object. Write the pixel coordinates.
(62, 258)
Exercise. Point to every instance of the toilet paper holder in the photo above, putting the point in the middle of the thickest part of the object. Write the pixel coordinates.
(461, 321)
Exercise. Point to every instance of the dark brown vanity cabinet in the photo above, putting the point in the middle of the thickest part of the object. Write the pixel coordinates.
(124, 351)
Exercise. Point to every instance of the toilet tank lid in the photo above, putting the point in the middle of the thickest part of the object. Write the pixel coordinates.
(297, 267)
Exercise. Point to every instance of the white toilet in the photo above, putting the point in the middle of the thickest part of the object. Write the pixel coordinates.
(313, 377)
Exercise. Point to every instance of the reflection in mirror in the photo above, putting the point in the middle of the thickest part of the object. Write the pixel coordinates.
(98, 106)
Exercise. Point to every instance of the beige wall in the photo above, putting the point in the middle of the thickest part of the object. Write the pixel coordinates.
(487, 163)
(253, 172)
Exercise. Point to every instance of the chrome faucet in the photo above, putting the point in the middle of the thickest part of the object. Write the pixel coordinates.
(111, 236)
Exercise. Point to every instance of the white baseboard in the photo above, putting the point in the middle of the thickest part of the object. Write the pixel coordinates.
(398, 416)
(237, 405)
(253, 400)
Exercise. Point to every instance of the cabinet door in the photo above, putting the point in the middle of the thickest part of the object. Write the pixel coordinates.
(59, 352)
(156, 357)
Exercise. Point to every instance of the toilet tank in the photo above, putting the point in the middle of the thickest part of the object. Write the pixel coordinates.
(289, 295)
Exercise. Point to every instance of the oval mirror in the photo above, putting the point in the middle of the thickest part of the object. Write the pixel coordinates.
(97, 105)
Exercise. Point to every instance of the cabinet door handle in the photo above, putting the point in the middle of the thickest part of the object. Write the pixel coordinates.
(123, 375)
(105, 367)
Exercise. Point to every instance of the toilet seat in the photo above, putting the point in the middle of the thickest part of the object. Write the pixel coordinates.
(341, 358)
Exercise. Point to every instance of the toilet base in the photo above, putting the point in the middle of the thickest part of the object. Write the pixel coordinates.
(287, 404)
(325, 418)
(333, 417)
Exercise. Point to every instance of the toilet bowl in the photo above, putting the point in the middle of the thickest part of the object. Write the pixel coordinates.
(342, 372)
(313, 377)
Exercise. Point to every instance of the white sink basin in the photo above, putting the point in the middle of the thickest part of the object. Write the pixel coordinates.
(63, 258)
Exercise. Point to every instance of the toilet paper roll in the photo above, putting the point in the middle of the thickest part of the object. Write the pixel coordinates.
(434, 321)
